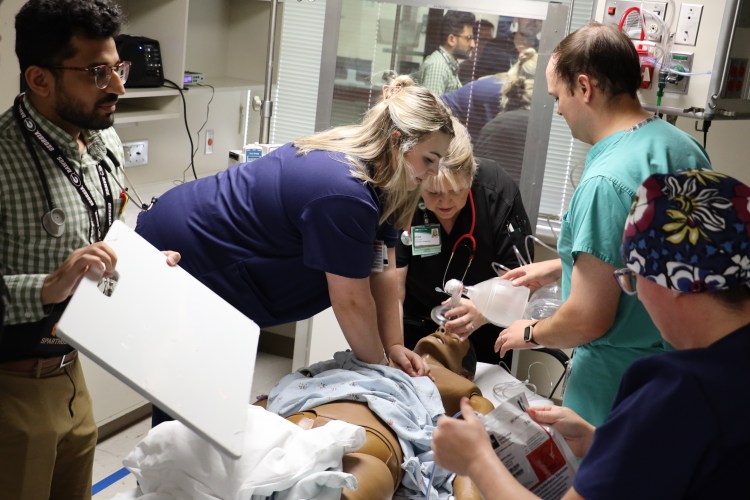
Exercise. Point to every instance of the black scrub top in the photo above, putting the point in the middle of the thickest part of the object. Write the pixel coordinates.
(498, 208)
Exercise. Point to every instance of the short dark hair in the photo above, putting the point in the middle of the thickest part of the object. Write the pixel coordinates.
(605, 54)
(482, 23)
(45, 28)
(735, 298)
(454, 22)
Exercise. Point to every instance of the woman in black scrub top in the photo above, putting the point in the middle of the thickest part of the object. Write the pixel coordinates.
(476, 209)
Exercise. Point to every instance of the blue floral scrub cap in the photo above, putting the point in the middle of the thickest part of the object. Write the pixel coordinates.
(690, 231)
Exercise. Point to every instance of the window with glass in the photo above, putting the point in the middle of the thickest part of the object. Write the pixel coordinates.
(488, 67)
(482, 64)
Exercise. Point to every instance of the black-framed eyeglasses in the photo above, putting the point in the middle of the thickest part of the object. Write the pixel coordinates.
(468, 38)
(626, 278)
(103, 73)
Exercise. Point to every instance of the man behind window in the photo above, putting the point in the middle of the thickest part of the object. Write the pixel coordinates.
(439, 71)
(469, 70)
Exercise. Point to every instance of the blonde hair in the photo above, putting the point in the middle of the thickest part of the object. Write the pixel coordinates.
(414, 112)
(457, 168)
(518, 86)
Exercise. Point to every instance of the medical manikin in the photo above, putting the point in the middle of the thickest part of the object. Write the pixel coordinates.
(377, 463)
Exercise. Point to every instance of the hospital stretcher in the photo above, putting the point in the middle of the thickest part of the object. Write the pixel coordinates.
(204, 465)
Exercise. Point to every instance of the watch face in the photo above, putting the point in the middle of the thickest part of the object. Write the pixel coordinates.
(527, 333)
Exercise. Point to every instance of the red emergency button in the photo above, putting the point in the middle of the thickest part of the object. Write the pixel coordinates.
(611, 11)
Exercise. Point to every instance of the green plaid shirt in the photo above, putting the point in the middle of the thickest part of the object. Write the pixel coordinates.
(27, 253)
(439, 72)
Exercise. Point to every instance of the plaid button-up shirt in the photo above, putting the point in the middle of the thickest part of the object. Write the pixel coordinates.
(27, 253)
(439, 72)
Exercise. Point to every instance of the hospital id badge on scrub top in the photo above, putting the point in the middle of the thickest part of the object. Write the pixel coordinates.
(381, 257)
(425, 240)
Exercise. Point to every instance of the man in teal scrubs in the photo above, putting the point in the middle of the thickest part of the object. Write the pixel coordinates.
(594, 74)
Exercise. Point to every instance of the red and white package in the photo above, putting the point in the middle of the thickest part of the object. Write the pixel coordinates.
(536, 455)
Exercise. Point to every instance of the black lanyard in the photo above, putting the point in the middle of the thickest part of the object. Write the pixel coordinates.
(31, 131)
(449, 60)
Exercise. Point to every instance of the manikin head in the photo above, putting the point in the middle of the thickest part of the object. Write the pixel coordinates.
(449, 351)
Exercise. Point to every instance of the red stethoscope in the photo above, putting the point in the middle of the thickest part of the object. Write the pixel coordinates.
(469, 237)
(465, 237)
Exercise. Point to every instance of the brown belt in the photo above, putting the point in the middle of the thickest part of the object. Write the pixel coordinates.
(39, 367)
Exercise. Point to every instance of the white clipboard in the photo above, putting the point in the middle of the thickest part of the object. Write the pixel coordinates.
(168, 337)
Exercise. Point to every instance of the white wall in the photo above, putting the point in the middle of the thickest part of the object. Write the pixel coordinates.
(8, 62)
(727, 145)
(169, 148)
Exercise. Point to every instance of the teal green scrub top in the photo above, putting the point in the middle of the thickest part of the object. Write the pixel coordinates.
(615, 167)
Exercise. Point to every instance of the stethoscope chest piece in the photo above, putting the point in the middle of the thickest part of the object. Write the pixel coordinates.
(54, 222)
(406, 238)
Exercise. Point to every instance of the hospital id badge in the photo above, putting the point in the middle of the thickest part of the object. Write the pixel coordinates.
(380, 262)
(426, 240)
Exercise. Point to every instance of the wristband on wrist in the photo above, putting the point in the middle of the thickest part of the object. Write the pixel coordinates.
(528, 333)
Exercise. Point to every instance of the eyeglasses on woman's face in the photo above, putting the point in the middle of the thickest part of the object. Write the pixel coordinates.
(103, 73)
(627, 279)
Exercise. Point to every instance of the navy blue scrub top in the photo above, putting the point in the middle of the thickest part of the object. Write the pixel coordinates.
(263, 234)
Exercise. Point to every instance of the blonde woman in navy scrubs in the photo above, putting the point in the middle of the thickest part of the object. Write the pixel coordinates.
(314, 223)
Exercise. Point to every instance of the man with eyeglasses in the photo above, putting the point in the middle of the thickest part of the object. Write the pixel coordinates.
(468, 69)
(59, 171)
(439, 70)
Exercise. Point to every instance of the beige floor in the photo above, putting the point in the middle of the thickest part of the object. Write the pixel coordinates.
(110, 452)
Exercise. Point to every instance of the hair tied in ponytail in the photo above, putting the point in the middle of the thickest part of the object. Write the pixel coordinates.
(390, 91)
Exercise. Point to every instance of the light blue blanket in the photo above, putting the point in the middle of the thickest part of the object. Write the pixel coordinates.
(409, 405)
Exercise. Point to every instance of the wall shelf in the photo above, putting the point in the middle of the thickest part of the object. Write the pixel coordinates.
(225, 83)
(202, 35)
(149, 92)
(142, 115)
(142, 109)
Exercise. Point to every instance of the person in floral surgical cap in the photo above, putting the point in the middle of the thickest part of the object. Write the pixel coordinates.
(678, 427)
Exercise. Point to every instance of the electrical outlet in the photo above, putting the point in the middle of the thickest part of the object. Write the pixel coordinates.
(688, 24)
(209, 149)
(136, 153)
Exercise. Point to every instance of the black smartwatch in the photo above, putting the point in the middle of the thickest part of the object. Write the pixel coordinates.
(528, 333)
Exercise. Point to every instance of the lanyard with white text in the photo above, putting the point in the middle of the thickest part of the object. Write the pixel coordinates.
(31, 129)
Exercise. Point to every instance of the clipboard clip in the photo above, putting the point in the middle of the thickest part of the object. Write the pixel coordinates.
(107, 284)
